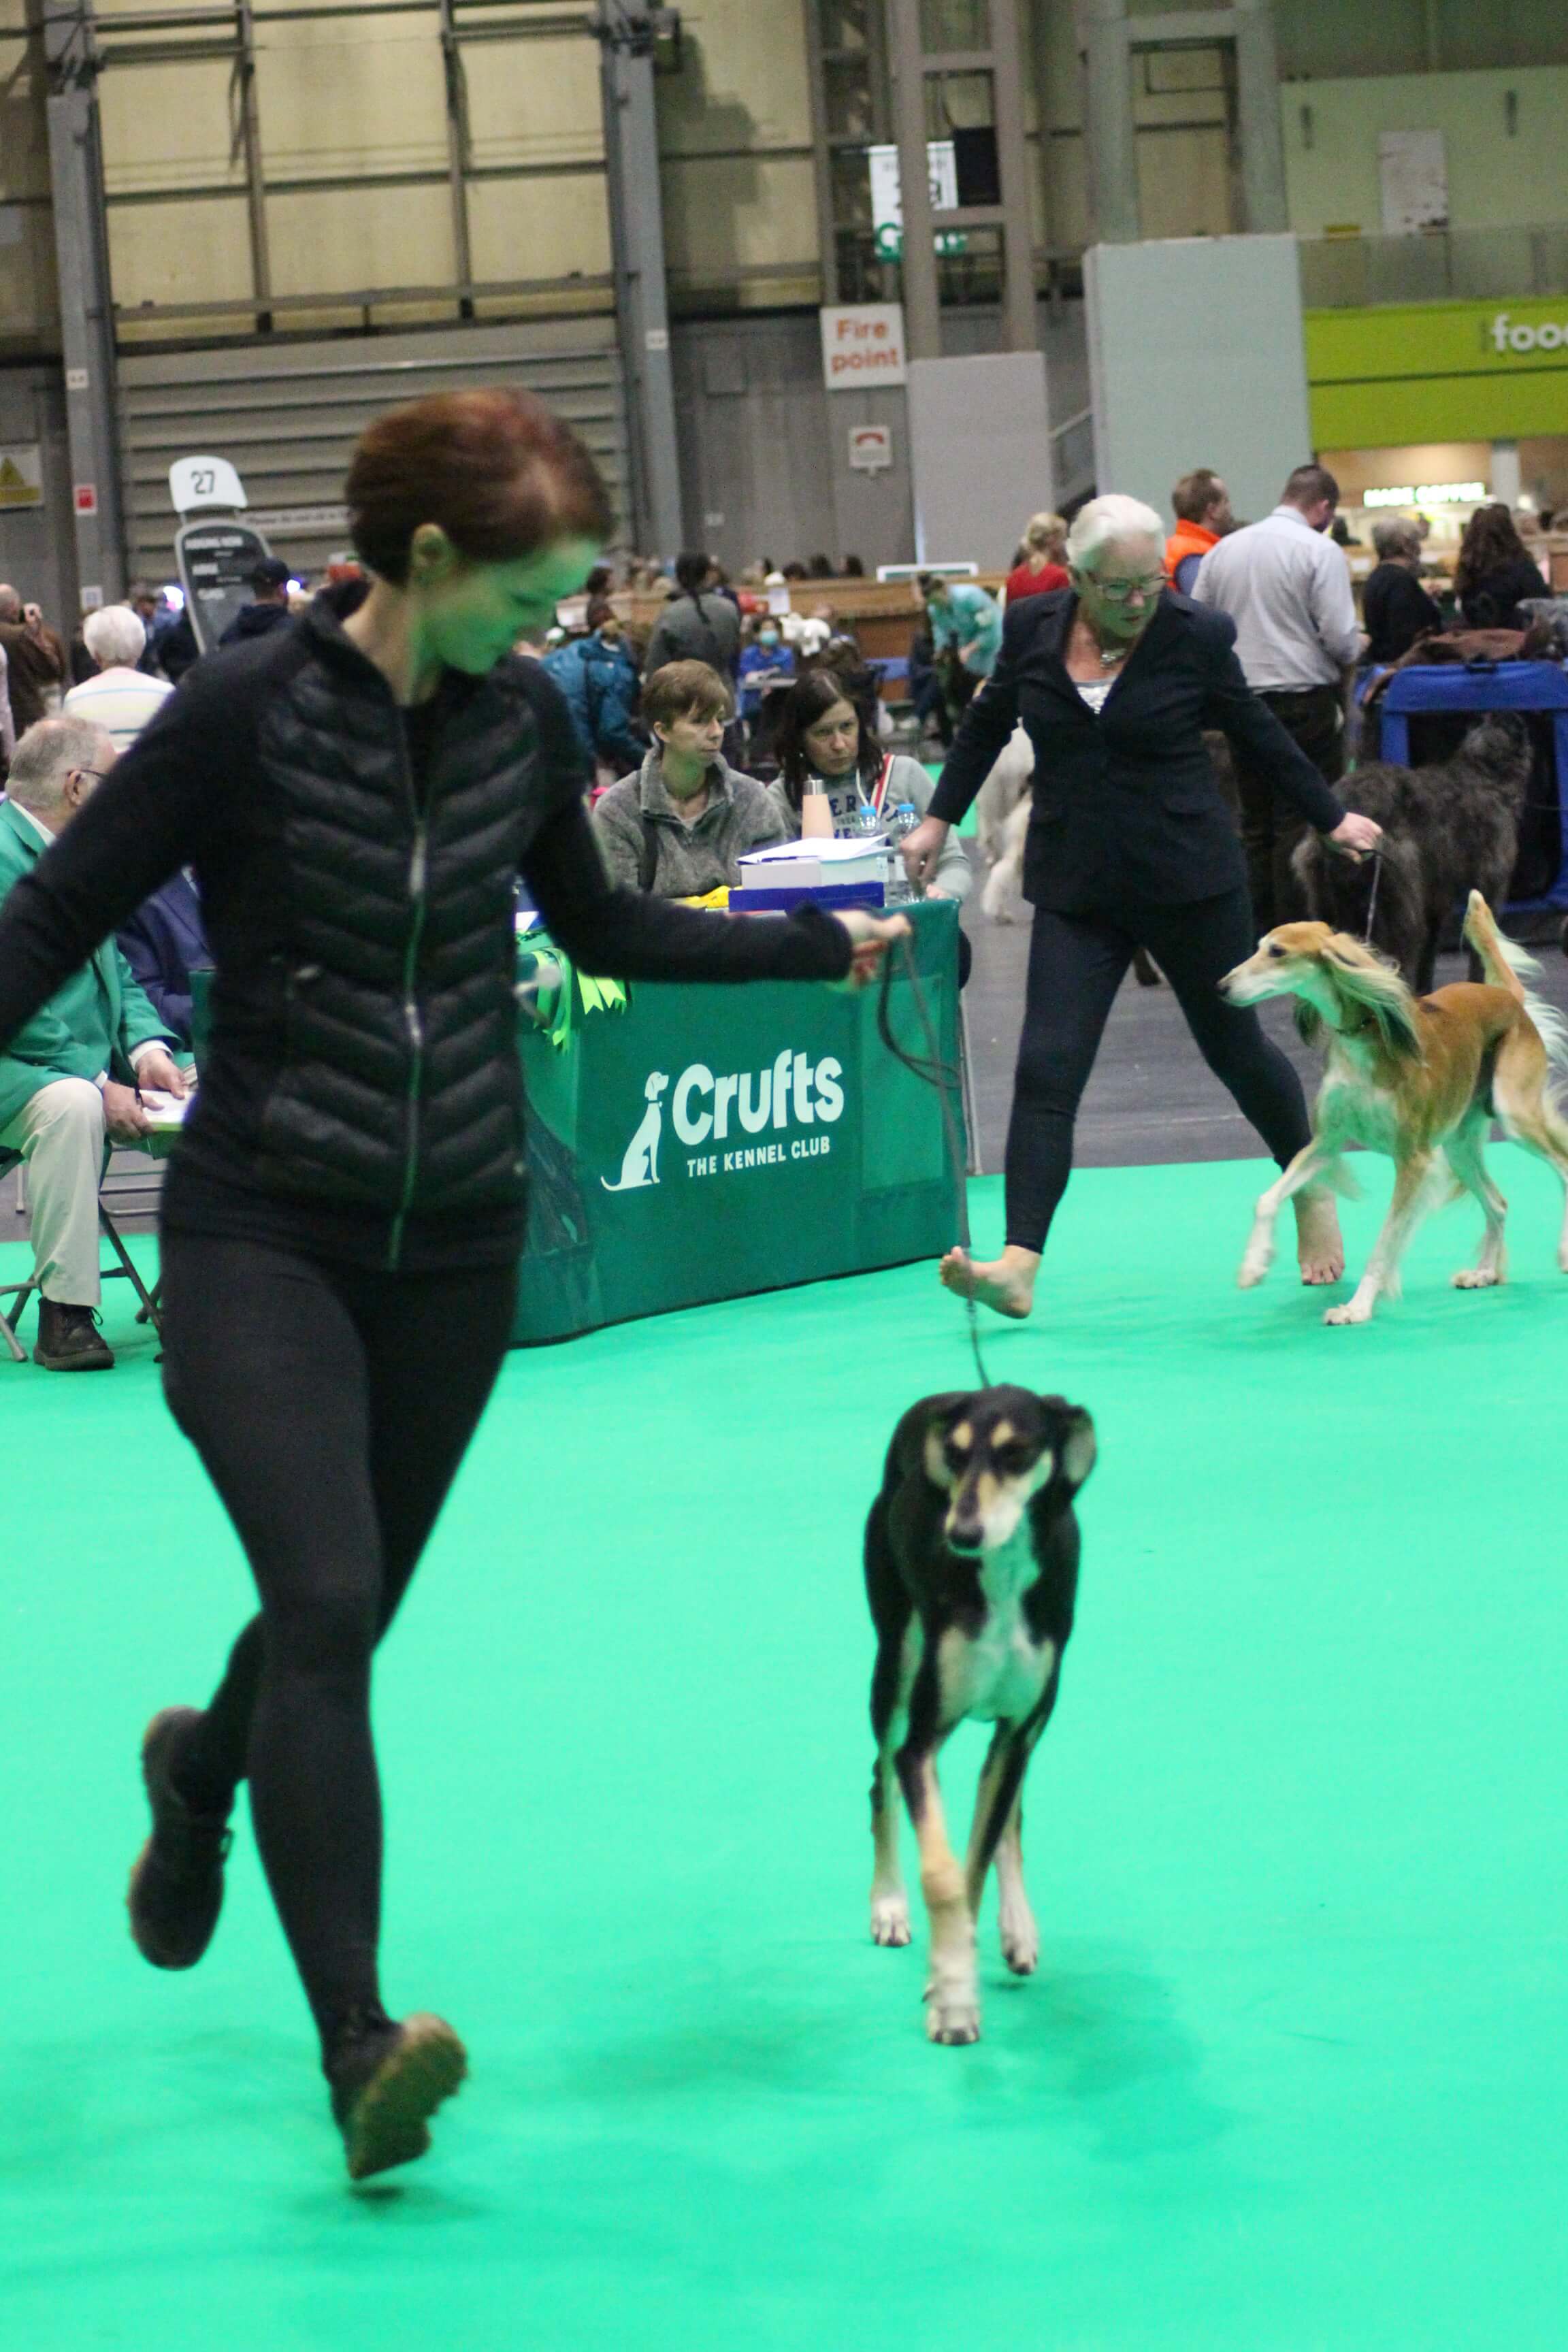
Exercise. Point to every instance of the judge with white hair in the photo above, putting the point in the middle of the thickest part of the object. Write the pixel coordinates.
(122, 698)
(68, 1079)
(1130, 845)
(165, 940)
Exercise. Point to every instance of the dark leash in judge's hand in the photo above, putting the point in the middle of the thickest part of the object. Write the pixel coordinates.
(932, 1071)
(1361, 857)
(1371, 896)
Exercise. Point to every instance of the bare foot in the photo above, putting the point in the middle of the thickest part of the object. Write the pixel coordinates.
(1319, 1245)
(1006, 1284)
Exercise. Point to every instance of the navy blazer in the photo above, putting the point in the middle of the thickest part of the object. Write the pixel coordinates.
(1127, 807)
(163, 941)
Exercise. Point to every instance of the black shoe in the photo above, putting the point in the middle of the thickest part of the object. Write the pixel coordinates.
(176, 1883)
(387, 2081)
(69, 1340)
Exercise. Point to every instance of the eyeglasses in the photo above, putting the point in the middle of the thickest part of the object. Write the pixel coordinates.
(1116, 591)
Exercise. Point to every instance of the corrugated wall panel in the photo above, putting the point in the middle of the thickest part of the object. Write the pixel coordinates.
(288, 415)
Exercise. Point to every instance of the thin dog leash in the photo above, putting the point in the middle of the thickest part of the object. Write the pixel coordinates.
(931, 1068)
(1371, 902)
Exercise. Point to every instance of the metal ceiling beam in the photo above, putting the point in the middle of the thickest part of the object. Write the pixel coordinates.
(628, 31)
(87, 324)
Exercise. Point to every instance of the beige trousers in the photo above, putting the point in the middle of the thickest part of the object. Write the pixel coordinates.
(59, 1133)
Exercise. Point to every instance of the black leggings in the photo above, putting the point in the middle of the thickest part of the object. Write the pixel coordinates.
(332, 1406)
(1077, 963)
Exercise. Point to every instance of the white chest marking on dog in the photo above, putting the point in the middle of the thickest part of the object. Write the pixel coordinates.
(998, 1674)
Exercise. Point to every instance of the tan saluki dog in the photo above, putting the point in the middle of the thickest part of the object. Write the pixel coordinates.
(1420, 1078)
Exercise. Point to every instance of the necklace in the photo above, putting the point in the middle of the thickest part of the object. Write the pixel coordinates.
(1111, 656)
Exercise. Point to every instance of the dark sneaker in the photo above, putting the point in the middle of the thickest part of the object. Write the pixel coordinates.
(387, 2081)
(176, 1885)
(68, 1339)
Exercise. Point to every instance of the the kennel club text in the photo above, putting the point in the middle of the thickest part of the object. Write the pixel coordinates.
(795, 1091)
(707, 1108)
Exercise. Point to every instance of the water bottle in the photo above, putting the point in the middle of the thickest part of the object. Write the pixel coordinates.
(902, 823)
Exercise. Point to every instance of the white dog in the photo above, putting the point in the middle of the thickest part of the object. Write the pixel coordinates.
(1006, 786)
(1002, 817)
(1002, 901)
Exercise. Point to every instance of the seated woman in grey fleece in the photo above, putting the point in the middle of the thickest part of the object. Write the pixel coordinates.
(678, 826)
(827, 743)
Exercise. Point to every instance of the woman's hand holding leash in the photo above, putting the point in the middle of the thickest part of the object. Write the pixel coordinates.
(1358, 836)
(872, 935)
(923, 847)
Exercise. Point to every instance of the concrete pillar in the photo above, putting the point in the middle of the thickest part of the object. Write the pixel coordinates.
(1257, 120)
(637, 235)
(1013, 216)
(922, 313)
(1109, 136)
(1507, 479)
(1020, 323)
(821, 157)
(1108, 38)
(87, 317)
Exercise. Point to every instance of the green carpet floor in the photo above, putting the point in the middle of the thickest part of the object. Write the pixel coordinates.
(1294, 2071)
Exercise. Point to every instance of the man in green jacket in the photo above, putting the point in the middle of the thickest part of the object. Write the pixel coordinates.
(70, 1078)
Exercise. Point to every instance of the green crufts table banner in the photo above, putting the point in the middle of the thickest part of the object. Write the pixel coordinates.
(700, 1142)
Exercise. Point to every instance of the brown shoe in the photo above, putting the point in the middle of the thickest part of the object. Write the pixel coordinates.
(69, 1340)
(387, 2081)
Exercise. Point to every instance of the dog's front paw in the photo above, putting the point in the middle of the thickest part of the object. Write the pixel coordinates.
(1351, 1312)
(1258, 1256)
(890, 1920)
(1021, 1945)
(1477, 1277)
(953, 2023)
(953, 1996)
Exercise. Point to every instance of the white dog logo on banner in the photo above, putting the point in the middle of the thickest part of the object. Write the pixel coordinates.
(640, 1165)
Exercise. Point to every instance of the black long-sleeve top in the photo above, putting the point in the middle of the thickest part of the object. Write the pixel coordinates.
(1492, 601)
(1396, 609)
(361, 1093)
(1127, 807)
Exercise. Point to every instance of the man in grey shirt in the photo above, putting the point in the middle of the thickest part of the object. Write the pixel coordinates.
(1288, 588)
(678, 827)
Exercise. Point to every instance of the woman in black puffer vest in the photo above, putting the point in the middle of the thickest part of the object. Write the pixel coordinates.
(357, 793)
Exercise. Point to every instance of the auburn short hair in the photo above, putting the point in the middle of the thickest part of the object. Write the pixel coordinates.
(684, 689)
(500, 475)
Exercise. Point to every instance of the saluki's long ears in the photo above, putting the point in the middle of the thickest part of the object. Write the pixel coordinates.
(1363, 978)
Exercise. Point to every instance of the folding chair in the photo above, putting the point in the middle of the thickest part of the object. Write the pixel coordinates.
(148, 1310)
(21, 1292)
(17, 1292)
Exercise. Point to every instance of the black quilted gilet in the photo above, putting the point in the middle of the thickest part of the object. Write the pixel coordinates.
(400, 1090)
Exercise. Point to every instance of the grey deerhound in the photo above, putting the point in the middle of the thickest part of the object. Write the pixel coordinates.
(1447, 829)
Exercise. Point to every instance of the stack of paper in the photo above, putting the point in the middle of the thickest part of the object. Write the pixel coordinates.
(164, 1113)
(811, 864)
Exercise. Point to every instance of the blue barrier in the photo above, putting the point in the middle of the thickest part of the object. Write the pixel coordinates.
(1501, 685)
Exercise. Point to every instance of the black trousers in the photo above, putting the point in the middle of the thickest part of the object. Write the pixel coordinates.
(1270, 825)
(1077, 963)
(331, 1406)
